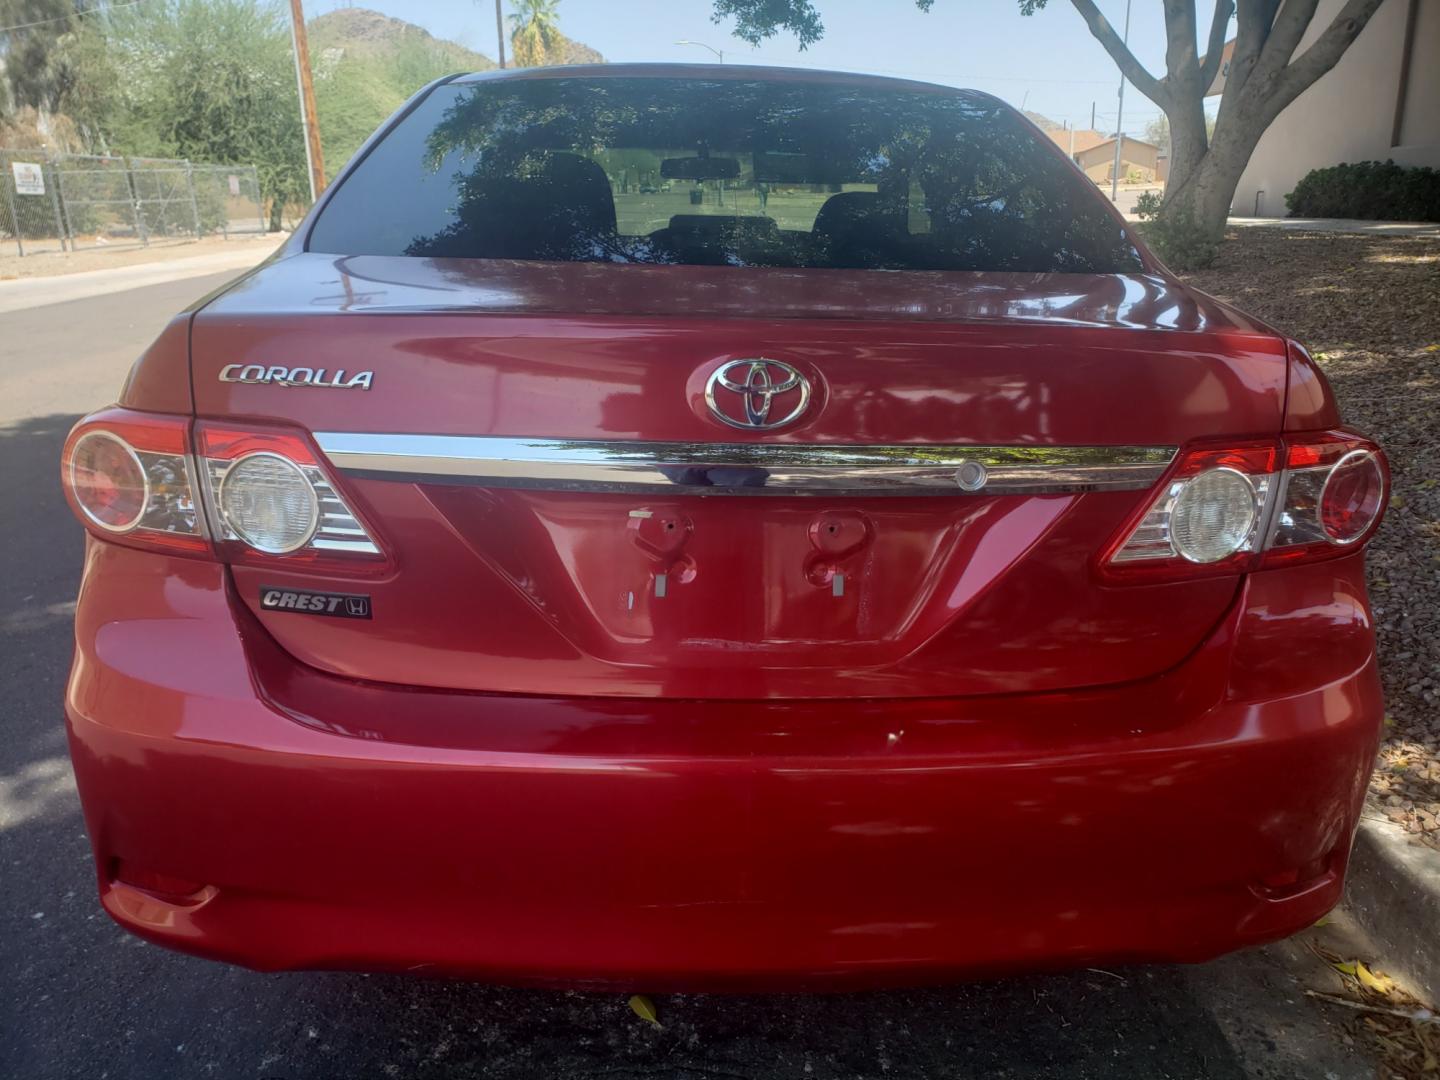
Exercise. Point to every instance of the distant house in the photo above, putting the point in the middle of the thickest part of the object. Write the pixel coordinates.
(1382, 100)
(1095, 154)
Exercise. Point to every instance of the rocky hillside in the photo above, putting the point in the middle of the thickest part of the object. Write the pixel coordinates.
(573, 52)
(358, 33)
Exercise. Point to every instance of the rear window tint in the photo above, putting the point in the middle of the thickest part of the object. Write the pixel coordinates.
(721, 173)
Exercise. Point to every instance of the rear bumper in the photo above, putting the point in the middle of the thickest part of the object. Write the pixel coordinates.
(687, 845)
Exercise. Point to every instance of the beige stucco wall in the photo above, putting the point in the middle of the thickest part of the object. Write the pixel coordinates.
(1348, 114)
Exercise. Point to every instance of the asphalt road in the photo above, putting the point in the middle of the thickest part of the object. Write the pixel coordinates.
(79, 999)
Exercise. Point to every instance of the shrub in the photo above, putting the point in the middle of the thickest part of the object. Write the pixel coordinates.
(1371, 190)
(1147, 206)
(1175, 235)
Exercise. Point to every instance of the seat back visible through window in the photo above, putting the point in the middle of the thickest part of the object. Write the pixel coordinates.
(555, 206)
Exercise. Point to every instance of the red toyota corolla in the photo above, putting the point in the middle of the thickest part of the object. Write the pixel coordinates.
(719, 527)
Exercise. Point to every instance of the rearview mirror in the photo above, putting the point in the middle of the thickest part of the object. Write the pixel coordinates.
(699, 168)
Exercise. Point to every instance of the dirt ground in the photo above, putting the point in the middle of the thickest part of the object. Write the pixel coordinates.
(1368, 308)
(92, 256)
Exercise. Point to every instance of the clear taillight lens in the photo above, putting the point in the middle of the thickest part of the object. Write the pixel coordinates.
(1215, 514)
(1238, 508)
(266, 501)
(130, 478)
(270, 496)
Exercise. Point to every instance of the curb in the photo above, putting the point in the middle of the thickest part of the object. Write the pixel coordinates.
(1394, 892)
(27, 293)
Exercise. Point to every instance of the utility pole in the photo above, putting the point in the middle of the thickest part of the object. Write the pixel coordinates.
(1120, 120)
(314, 159)
(500, 34)
(1092, 116)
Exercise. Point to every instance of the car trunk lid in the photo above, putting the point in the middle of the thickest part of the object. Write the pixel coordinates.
(563, 511)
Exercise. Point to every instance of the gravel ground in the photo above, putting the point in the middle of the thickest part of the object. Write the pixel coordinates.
(1368, 308)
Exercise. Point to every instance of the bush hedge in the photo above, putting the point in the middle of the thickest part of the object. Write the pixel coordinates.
(1370, 190)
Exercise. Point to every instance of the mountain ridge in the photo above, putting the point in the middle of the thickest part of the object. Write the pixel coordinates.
(362, 33)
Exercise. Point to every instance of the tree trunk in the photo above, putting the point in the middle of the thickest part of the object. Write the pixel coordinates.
(1191, 222)
(1199, 190)
(1188, 143)
(1264, 76)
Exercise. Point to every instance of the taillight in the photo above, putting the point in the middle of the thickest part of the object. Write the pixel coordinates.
(263, 492)
(1233, 509)
(270, 496)
(1334, 494)
(130, 478)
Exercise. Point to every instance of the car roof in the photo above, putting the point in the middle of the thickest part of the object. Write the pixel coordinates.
(731, 72)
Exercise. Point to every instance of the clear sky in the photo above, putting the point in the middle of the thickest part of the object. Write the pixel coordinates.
(1049, 62)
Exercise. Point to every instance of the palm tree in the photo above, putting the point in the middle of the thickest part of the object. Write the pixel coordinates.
(535, 33)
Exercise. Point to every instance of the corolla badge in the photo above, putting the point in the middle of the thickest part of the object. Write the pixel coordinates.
(339, 379)
(757, 394)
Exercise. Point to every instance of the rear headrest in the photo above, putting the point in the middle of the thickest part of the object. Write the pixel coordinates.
(580, 185)
(552, 206)
(850, 208)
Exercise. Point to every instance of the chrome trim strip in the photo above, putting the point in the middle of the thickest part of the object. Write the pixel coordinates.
(746, 468)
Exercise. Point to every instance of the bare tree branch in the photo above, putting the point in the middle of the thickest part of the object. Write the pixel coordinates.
(1320, 57)
(1180, 59)
(1131, 68)
(1253, 21)
(1289, 27)
(1215, 48)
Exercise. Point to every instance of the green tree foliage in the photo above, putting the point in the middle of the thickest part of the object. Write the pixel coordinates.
(32, 71)
(208, 80)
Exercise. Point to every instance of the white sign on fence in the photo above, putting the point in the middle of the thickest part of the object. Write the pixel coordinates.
(29, 178)
(234, 185)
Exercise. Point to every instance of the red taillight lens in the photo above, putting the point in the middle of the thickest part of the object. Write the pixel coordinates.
(1233, 510)
(108, 481)
(1352, 498)
(1333, 497)
(130, 479)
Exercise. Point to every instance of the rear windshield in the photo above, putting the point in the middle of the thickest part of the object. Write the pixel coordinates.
(721, 173)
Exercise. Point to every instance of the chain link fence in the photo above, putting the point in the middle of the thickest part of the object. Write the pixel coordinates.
(69, 201)
(228, 199)
(30, 214)
(98, 200)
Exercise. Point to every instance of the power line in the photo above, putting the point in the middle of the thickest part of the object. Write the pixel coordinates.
(73, 15)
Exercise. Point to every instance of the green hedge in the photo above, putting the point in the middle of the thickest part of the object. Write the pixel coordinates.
(1371, 190)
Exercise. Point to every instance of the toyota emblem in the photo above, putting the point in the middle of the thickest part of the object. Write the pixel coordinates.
(757, 394)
